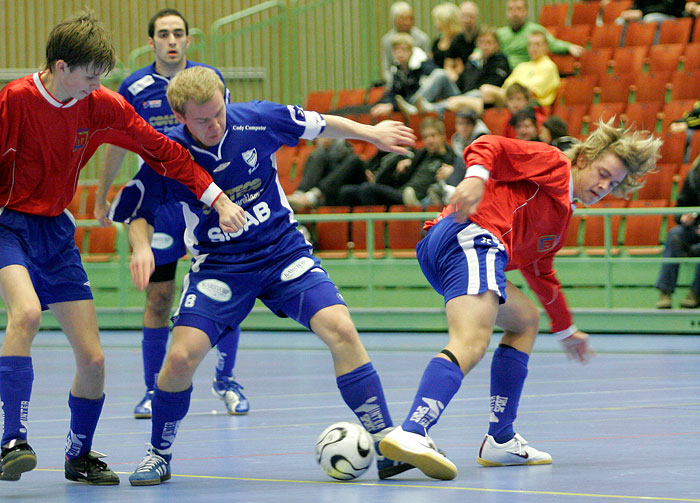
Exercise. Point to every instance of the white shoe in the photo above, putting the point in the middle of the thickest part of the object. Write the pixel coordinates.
(419, 451)
(514, 452)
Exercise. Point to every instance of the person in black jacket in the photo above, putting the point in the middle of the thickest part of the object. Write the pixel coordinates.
(489, 67)
(404, 179)
(682, 241)
(410, 66)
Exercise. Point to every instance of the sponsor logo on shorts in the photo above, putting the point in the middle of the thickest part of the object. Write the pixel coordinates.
(297, 268)
(152, 104)
(215, 289)
(161, 241)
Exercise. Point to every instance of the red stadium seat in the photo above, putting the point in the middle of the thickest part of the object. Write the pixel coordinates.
(604, 112)
(674, 110)
(577, 34)
(665, 57)
(614, 88)
(690, 60)
(553, 14)
(595, 61)
(675, 31)
(579, 89)
(594, 231)
(640, 34)
(613, 9)
(350, 98)
(650, 86)
(673, 148)
(585, 13)
(358, 232)
(642, 232)
(404, 234)
(332, 237)
(607, 35)
(659, 185)
(319, 101)
(629, 59)
(642, 115)
(684, 85)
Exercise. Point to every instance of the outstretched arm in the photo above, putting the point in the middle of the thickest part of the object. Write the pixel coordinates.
(391, 136)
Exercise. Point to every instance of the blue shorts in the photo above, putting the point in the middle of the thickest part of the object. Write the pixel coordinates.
(463, 259)
(45, 246)
(168, 243)
(222, 291)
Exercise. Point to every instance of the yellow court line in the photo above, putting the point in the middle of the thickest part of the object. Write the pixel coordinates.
(417, 486)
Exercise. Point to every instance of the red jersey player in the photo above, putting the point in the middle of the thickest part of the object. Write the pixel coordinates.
(51, 123)
(510, 212)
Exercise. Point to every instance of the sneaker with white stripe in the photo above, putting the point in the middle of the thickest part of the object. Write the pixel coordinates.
(152, 470)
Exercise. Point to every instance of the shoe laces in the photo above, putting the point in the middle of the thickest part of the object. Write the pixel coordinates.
(519, 446)
(152, 461)
(230, 384)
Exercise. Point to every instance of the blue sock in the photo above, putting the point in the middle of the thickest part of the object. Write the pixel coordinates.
(226, 350)
(16, 378)
(168, 409)
(508, 373)
(440, 382)
(84, 414)
(362, 391)
(153, 348)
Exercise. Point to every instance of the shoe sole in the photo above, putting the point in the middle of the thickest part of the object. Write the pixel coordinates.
(430, 463)
(142, 416)
(83, 480)
(13, 469)
(486, 462)
(153, 482)
(386, 473)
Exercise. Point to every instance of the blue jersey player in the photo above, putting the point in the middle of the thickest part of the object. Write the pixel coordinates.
(145, 91)
(268, 258)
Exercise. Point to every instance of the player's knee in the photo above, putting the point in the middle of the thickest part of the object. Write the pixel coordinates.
(530, 319)
(25, 320)
(92, 363)
(343, 332)
(180, 361)
(159, 304)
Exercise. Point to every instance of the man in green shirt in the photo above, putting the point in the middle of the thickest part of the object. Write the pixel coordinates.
(513, 38)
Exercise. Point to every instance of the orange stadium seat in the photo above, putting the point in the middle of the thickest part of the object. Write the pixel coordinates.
(577, 34)
(604, 112)
(350, 98)
(690, 60)
(675, 31)
(80, 238)
(566, 64)
(579, 90)
(594, 231)
(375, 93)
(101, 246)
(684, 85)
(319, 101)
(674, 110)
(696, 31)
(358, 232)
(650, 86)
(553, 14)
(673, 148)
(595, 61)
(614, 88)
(607, 35)
(573, 115)
(76, 204)
(642, 232)
(629, 59)
(642, 115)
(665, 57)
(332, 237)
(659, 185)
(571, 242)
(404, 234)
(613, 9)
(585, 13)
(640, 34)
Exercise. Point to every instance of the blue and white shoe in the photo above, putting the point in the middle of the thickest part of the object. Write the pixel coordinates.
(229, 391)
(152, 470)
(143, 408)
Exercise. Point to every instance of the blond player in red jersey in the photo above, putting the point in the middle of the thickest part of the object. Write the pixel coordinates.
(511, 211)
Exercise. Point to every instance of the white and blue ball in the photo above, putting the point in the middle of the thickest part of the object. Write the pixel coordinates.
(344, 450)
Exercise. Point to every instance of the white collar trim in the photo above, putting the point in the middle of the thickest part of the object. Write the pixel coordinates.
(47, 95)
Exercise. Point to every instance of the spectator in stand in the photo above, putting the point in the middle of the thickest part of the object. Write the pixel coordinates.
(410, 66)
(690, 120)
(405, 179)
(540, 75)
(555, 132)
(403, 21)
(450, 50)
(525, 125)
(490, 66)
(470, 23)
(331, 157)
(682, 241)
(519, 97)
(514, 37)
(693, 8)
(468, 127)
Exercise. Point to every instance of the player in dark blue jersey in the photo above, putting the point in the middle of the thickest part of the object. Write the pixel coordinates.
(168, 36)
(267, 259)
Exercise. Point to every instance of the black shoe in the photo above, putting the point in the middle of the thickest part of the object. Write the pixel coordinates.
(16, 458)
(89, 469)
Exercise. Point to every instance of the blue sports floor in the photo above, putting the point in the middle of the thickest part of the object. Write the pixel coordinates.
(625, 427)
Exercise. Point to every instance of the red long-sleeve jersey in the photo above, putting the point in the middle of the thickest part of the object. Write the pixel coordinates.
(45, 143)
(527, 204)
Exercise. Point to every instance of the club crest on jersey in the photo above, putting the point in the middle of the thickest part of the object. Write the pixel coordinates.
(251, 159)
(81, 139)
(546, 243)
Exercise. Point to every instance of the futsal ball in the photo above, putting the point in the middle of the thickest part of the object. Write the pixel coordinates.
(344, 450)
